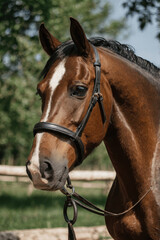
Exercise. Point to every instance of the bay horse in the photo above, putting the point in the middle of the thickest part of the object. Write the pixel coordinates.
(92, 91)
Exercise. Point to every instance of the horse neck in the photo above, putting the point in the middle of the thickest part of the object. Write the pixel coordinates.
(132, 140)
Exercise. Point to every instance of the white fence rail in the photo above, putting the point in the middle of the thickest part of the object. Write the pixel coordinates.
(20, 171)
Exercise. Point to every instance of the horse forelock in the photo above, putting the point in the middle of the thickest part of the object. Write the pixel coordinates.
(62, 51)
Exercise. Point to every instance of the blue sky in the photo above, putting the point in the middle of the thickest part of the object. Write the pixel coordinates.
(144, 42)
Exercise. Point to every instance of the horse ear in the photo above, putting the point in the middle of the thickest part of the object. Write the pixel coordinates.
(79, 37)
(49, 43)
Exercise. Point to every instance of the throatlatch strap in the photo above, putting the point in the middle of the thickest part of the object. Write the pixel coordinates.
(103, 114)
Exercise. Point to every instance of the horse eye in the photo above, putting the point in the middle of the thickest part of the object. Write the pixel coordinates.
(78, 91)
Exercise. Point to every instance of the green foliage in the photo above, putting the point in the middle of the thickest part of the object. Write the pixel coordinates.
(23, 60)
(146, 10)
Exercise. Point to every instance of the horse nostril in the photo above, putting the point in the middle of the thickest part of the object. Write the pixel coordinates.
(46, 170)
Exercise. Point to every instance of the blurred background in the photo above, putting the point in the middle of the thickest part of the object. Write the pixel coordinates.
(134, 22)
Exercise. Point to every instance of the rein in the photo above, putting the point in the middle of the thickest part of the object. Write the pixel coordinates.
(73, 200)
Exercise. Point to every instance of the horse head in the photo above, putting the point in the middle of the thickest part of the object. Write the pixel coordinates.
(72, 122)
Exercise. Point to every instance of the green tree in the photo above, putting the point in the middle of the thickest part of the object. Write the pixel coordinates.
(23, 60)
(146, 10)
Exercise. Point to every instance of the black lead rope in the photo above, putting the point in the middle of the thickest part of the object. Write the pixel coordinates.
(70, 202)
(73, 199)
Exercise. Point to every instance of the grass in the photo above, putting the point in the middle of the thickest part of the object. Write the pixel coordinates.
(40, 209)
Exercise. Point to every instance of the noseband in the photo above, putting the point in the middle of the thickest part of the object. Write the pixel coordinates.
(75, 137)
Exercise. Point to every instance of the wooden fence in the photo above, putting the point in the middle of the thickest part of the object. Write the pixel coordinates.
(19, 173)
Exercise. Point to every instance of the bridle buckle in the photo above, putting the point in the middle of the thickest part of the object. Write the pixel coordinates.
(98, 95)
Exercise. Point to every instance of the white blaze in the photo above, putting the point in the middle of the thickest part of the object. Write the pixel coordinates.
(54, 82)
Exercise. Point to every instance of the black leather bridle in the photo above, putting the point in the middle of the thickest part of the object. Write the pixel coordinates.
(75, 137)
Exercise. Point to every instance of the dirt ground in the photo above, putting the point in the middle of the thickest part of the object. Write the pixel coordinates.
(82, 233)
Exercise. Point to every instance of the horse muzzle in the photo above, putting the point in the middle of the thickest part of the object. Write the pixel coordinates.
(49, 176)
